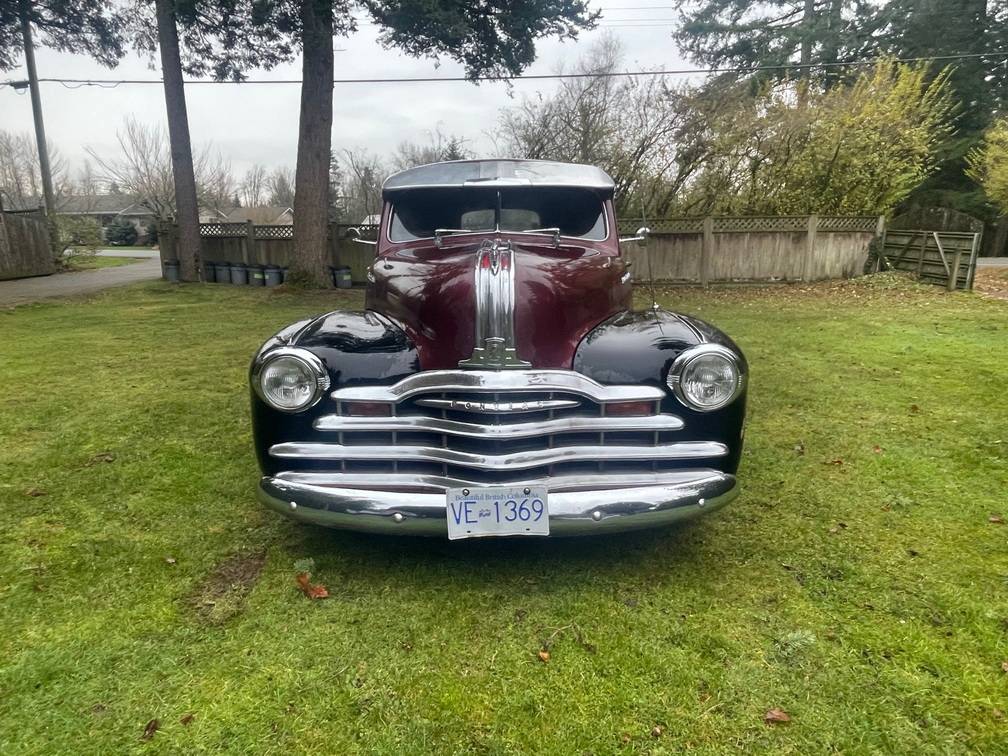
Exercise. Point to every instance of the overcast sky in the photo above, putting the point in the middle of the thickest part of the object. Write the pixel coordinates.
(258, 123)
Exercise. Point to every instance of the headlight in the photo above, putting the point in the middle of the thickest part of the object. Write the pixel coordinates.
(706, 377)
(290, 379)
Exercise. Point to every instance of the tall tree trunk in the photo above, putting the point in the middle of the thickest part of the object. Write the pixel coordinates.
(186, 205)
(308, 266)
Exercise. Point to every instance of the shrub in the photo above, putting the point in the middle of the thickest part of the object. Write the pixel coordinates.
(121, 232)
(152, 233)
(78, 236)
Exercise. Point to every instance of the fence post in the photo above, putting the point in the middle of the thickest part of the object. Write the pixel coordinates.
(706, 250)
(810, 236)
(880, 234)
(166, 241)
(920, 260)
(248, 245)
(953, 278)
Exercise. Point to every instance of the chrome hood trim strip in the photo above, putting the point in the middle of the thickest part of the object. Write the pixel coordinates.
(510, 461)
(494, 344)
(344, 423)
(490, 381)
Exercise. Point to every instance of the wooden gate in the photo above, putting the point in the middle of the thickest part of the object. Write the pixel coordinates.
(947, 258)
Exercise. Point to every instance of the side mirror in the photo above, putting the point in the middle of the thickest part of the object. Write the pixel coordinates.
(354, 235)
(641, 237)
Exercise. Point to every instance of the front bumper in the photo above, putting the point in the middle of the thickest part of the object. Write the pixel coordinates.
(667, 499)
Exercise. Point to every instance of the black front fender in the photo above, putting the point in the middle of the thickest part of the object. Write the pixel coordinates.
(639, 347)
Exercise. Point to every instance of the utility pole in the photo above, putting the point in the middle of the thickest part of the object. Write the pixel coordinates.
(40, 137)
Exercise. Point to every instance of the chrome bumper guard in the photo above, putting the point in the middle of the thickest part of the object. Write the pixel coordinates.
(416, 505)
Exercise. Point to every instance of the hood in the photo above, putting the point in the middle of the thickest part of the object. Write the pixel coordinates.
(559, 295)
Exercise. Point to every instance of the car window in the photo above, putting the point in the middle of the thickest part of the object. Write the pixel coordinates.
(576, 212)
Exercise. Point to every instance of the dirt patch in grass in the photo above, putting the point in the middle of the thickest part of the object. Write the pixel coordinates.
(222, 593)
(992, 282)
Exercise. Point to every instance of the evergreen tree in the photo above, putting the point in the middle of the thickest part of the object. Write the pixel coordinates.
(487, 38)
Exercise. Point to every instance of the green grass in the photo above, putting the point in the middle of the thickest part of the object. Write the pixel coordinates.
(857, 583)
(92, 262)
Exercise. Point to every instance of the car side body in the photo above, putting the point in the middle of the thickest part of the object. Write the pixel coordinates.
(498, 350)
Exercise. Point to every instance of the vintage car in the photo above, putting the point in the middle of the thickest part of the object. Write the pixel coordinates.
(498, 381)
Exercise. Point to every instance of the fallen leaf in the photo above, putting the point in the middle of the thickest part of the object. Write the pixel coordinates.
(914, 409)
(1004, 666)
(996, 520)
(877, 449)
(187, 718)
(799, 449)
(35, 492)
(626, 737)
(544, 655)
(997, 714)
(170, 560)
(776, 716)
(309, 589)
(656, 731)
(101, 457)
(150, 729)
(836, 461)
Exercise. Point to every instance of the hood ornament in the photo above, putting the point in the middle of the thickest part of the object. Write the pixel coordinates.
(495, 305)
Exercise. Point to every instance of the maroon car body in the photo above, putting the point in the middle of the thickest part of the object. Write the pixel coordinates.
(498, 355)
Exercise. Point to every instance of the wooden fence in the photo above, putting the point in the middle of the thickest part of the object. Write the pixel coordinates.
(681, 250)
(941, 257)
(271, 245)
(25, 248)
(753, 248)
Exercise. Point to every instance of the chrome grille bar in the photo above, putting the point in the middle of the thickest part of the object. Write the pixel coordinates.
(406, 481)
(344, 423)
(490, 381)
(497, 407)
(511, 461)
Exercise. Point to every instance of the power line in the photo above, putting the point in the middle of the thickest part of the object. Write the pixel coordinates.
(537, 77)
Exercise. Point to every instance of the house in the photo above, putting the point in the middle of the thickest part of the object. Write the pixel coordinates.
(103, 208)
(264, 215)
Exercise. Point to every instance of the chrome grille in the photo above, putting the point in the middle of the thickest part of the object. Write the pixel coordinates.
(485, 427)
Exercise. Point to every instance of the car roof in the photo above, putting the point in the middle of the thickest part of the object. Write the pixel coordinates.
(499, 173)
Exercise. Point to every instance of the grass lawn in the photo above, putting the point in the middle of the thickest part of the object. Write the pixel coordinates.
(859, 583)
(92, 262)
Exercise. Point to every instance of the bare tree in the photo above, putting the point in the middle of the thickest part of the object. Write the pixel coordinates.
(635, 128)
(253, 187)
(216, 186)
(143, 169)
(280, 185)
(363, 174)
(438, 147)
(20, 176)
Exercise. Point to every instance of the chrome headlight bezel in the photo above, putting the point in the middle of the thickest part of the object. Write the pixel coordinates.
(688, 357)
(309, 360)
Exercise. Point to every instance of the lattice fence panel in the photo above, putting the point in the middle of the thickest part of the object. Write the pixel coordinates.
(757, 223)
(867, 223)
(274, 232)
(662, 225)
(222, 229)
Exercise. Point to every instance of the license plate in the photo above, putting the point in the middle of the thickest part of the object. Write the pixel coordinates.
(497, 511)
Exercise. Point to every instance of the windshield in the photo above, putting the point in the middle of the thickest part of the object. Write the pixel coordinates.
(576, 212)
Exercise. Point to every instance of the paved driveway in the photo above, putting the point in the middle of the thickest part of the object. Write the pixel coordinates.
(25, 290)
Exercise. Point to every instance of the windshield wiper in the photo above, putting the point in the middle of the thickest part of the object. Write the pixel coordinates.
(439, 232)
(554, 232)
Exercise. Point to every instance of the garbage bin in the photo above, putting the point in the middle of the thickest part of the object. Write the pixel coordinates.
(341, 277)
(171, 271)
(239, 274)
(256, 277)
(274, 276)
(222, 272)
